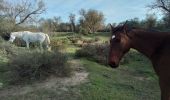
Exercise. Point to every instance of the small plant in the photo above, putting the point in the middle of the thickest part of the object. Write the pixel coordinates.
(83, 31)
(75, 38)
(97, 39)
(30, 65)
(59, 44)
(8, 48)
(97, 52)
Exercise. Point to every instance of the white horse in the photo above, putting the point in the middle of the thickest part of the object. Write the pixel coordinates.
(28, 37)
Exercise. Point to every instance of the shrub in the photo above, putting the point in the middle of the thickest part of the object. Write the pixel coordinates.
(97, 39)
(89, 41)
(35, 64)
(83, 31)
(133, 55)
(8, 48)
(96, 52)
(100, 53)
(59, 44)
(75, 38)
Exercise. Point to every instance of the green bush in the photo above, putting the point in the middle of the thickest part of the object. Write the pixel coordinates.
(89, 41)
(9, 48)
(96, 52)
(83, 31)
(133, 55)
(35, 64)
(97, 39)
(75, 38)
(59, 44)
(100, 53)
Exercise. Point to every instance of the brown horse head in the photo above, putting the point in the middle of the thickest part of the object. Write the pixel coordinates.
(119, 44)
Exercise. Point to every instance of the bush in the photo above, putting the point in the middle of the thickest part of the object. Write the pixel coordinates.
(31, 65)
(133, 55)
(75, 38)
(89, 41)
(100, 53)
(59, 44)
(8, 48)
(97, 39)
(96, 52)
(83, 31)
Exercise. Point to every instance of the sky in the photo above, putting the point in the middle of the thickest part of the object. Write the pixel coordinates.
(115, 11)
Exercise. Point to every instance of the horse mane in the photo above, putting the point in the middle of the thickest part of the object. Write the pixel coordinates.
(129, 28)
(144, 29)
(151, 33)
(141, 32)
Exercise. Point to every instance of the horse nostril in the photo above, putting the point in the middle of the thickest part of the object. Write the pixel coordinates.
(113, 65)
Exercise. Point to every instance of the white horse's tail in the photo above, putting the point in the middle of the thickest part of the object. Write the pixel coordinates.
(47, 38)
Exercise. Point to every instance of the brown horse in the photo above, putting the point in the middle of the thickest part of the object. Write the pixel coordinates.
(154, 44)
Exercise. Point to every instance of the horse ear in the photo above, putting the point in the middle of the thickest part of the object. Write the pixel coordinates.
(125, 27)
(111, 27)
(125, 24)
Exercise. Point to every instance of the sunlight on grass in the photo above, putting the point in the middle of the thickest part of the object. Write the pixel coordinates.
(116, 84)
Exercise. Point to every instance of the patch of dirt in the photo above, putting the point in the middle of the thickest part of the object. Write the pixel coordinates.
(79, 76)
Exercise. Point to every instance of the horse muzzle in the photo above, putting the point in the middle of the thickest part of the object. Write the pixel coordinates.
(113, 64)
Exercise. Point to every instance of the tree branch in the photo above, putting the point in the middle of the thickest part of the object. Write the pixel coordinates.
(28, 15)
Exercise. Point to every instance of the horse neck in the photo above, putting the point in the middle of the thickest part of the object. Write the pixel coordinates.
(17, 34)
(147, 42)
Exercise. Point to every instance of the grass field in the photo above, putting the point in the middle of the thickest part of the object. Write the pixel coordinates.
(135, 80)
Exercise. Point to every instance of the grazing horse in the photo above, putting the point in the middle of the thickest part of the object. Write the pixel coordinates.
(153, 44)
(28, 37)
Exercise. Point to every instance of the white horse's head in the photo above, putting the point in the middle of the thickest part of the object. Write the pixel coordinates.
(12, 38)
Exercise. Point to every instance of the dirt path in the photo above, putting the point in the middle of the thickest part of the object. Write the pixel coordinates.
(79, 76)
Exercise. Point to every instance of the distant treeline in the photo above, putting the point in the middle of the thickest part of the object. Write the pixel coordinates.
(26, 15)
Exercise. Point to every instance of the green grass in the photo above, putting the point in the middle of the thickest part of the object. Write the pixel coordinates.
(103, 36)
(3, 69)
(118, 84)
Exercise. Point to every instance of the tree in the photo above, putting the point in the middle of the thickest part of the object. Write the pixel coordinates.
(72, 22)
(56, 23)
(166, 20)
(50, 24)
(47, 25)
(150, 21)
(161, 4)
(64, 27)
(133, 22)
(22, 11)
(91, 20)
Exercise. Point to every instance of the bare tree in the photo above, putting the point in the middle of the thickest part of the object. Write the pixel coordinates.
(150, 21)
(56, 22)
(72, 22)
(92, 20)
(50, 24)
(22, 11)
(161, 4)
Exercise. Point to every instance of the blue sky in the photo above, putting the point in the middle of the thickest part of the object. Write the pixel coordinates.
(113, 10)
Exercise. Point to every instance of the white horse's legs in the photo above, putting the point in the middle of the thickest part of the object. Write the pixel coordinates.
(27, 43)
(41, 45)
